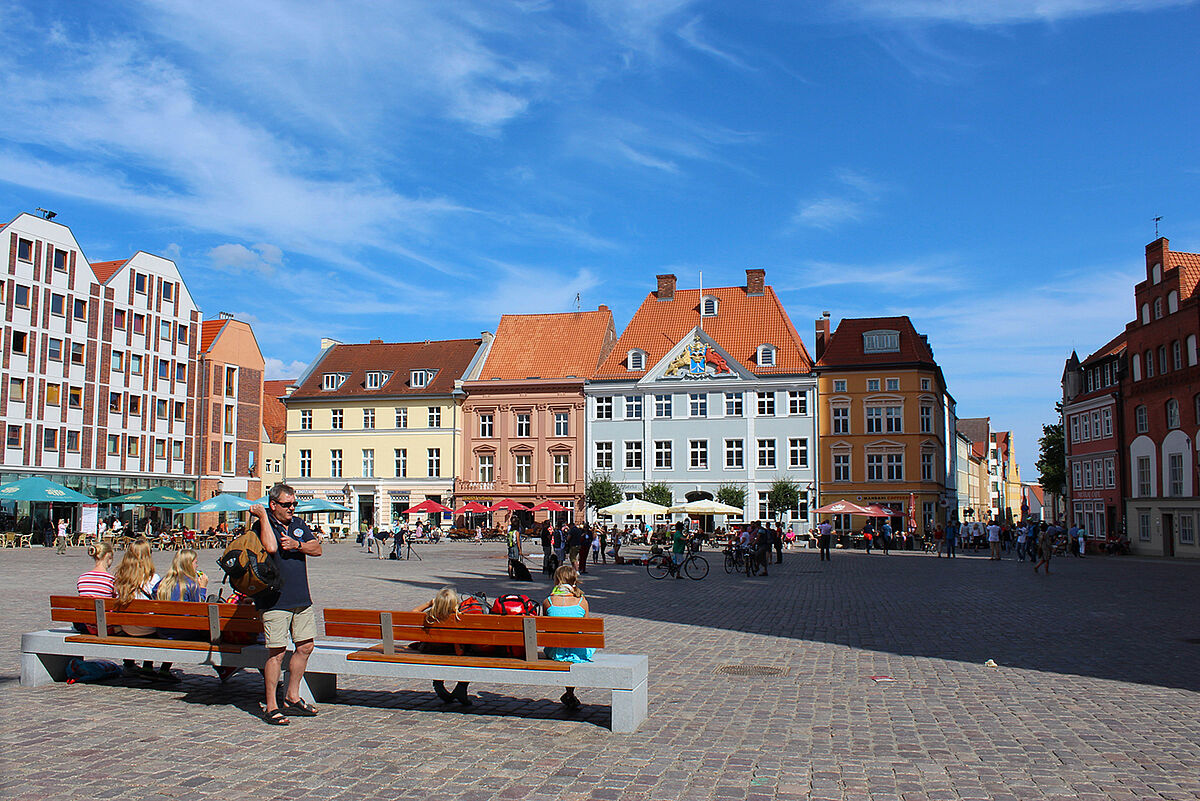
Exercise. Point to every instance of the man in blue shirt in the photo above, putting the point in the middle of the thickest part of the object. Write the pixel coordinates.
(290, 541)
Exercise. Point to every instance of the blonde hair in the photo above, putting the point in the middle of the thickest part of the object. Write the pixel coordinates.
(568, 575)
(183, 566)
(136, 568)
(99, 551)
(445, 605)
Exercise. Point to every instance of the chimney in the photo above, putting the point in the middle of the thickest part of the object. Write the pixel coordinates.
(822, 334)
(376, 341)
(602, 308)
(328, 342)
(666, 287)
(756, 282)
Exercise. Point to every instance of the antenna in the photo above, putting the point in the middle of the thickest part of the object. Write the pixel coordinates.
(576, 301)
(1156, 219)
(46, 213)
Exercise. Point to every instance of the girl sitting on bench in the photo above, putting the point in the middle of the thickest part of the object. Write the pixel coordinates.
(441, 607)
(136, 580)
(566, 600)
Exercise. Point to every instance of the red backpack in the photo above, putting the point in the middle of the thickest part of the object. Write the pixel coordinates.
(471, 606)
(520, 605)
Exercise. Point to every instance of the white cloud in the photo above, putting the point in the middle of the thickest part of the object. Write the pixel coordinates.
(851, 203)
(277, 369)
(263, 258)
(690, 33)
(1000, 12)
(526, 289)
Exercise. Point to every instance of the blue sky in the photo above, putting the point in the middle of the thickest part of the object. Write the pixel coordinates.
(413, 170)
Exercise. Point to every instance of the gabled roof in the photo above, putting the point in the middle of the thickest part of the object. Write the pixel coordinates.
(845, 346)
(209, 331)
(743, 322)
(976, 429)
(979, 450)
(104, 270)
(1110, 348)
(448, 358)
(549, 345)
(1189, 271)
(273, 411)
(1038, 493)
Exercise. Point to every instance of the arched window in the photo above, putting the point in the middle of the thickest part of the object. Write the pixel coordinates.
(1172, 413)
(636, 360)
(1157, 308)
(1141, 419)
(1162, 359)
(1149, 364)
(1191, 350)
(1145, 313)
(1136, 361)
(1156, 273)
(766, 355)
(708, 307)
(1172, 302)
(1176, 355)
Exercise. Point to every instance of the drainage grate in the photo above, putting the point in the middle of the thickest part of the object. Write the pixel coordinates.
(751, 670)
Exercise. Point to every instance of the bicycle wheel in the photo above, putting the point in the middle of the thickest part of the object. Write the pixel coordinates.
(696, 567)
(659, 567)
(730, 565)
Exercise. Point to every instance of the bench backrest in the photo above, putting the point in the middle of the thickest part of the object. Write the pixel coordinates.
(215, 618)
(389, 626)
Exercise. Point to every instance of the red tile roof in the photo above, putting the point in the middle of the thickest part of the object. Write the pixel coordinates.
(275, 413)
(549, 345)
(742, 323)
(976, 429)
(1111, 348)
(845, 347)
(448, 357)
(1038, 493)
(979, 450)
(209, 331)
(105, 270)
(1189, 272)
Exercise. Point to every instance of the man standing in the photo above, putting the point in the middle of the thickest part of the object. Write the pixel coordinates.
(763, 546)
(514, 549)
(993, 538)
(585, 545)
(952, 532)
(885, 537)
(824, 535)
(291, 542)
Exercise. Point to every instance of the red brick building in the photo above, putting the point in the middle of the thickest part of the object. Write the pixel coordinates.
(1092, 429)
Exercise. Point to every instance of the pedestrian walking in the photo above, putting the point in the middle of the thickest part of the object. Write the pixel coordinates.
(885, 537)
(585, 545)
(603, 546)
(1022, 539)
(60, 542)
(824, 537)
(1045, 549)
(777, 541)
(993, 537)
(952, 533)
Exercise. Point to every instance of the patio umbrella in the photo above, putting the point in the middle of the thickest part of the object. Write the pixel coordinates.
(508, 505)
(635, 507)
(472, 507)
(36, 489)
(879, 511)
(155, 496)
(218, 503)
(706, 507)
(427, 506)
(844, 508)
(549, 506)
(319, 505)
(912, 513)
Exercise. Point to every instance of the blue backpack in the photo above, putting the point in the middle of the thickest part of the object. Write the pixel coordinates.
(81, 670)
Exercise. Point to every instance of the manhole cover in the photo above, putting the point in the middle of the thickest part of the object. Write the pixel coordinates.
(751, 670)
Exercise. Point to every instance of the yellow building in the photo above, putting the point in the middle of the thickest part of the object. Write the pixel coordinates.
(886, 422)
(378, 427)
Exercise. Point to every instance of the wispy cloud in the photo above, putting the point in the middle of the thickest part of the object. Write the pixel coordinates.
(907, 277)
(852, 201)
(235, 258)
(690, 32)
(1000, 12)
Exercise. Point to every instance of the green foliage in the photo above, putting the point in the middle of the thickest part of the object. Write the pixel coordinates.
(732, 494)
(783, 496)
(1052, 459)
(657, 493)
(601, 491)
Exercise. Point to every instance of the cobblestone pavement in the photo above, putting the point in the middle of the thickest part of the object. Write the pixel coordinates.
(1095, 695)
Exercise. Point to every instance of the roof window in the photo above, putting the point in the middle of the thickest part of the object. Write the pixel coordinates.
(881, 342)
(420, 378)
(766, 355)
(332, 380)
(708, 307)
(377, 378)
(636, 360)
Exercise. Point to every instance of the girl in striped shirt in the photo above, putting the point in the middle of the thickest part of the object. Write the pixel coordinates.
(97, 582)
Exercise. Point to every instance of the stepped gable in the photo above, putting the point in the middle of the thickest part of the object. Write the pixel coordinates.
(446, 358)
(548, 346)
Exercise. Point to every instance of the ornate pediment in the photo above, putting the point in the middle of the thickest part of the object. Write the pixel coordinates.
(696, 358)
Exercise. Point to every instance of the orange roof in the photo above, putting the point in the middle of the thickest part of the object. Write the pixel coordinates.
(1189, 272)
(742, 323)
(1037, 492)
(105, 270)
(549, 345)
(1110, 348)
(978, 450)
(209, 330)
(448, 358)
(845, 346)
(275, 413)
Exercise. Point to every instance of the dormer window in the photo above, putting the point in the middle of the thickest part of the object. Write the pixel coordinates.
(636, 360)
(418, 378)
(330, 381)
(881, 342)
(377, 378)
(708, 307)
(766, 355)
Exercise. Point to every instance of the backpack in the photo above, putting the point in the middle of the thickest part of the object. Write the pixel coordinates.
(249, 569)
(79, 670)
(521, 605)
(471, 605)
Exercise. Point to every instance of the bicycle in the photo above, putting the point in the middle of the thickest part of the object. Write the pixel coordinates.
(693, 566)
(735, 559)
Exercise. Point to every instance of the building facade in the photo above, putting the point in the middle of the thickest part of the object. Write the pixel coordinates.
(274, 437)
(524, 420)
(1092, 412)
(887, 423)
(1161, 402)
(705, 389)
(377, 427)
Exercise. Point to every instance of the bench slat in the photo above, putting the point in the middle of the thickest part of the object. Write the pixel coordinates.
(186, 608)
(359, 631)
(486, 622)
(375, 654)
(151, 642)
(190, 623)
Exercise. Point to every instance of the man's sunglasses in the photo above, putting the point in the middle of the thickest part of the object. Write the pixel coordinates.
(288, 505)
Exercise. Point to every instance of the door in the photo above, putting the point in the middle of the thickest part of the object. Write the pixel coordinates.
(366, 510)
(1168, 523)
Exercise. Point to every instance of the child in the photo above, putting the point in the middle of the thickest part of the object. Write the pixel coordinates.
(97, 582)
(137, 580)
(566, 600)
(443, 606)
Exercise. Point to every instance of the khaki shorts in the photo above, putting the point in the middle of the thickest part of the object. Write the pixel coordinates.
(302, 623)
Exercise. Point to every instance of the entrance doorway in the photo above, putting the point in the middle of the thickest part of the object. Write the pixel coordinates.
(1168, 523)
(366, 510)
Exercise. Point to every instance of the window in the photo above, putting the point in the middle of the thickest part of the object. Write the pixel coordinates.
(841, 467)
(168, 291)
(435, 416)
(698, 404)
(20, 342)
(766, 404)
(1162, 359)
(1106, 420)
(134, 405)
(1087, 475)
(181, 334)
(1085, 428)
(50, 439)
(604, 408)
(523, 426)
(306, 419)
(797, 402)
(881, 341)
(1176, 355)
(54, 349)
(926, 384)
(418, 378)
(58, 305)
(766, 355)
(75, 397)
(636, 360)
(698, 454)
(733, 404)
(368, 462)
(893, 385)
(486, 467)
(522, 468)
(874, 419)
(330, 381)
(24, 250)
(1175, 474)
(1076, 477)
(562, 424)
(1090, 384)
(368, 418)
(164, 329)
(133, 447)
(1158, 307)
(766, 453)
(894, 417)
(874, 467)
(1187, 529)
(164, 369)
(13, 439)
(179, 410)
(401, 417)
(895, 466)
(709, 307)
(764, 506)
(401, 457)
(72, 442)
(604, 455)
(664, 454)
(662, 406)
(927, 466)
(1144, 527)
(926, 418)
(1191, 350)
(139, 282)
(633, 454)
(1149, 364)
(16, 389)
(374, 379)
(872, 385)
(562, 468)
(139, 324)
(1141, 420)
(335, 463)
(79, 309)
(1143, 476)
(798, 452)
(119, 319)
(160, 449)
(734, 454)
(177, 450)
(230, 425)
(1172, 413)
(633, 407)
(160, 409)
(114, 402)
(336, 418)
(181, 372)
(1136, 361)
(114, 444)
(486, 425)
(839, 385)
(841, 419)
(135, 363)
(1110, 473)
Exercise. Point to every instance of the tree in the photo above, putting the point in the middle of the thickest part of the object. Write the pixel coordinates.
(732, 494)
(657, 493)
(782, 496)
(1052, 461)
(601, 491)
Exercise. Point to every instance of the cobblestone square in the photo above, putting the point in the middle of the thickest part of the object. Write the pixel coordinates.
(1095, 695)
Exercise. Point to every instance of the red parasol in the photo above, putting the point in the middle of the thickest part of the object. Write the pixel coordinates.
(844, 508)
(474, 507)
(508, 505)
(426, 506)
(549, 506)
(912, 513)
(880, 511)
